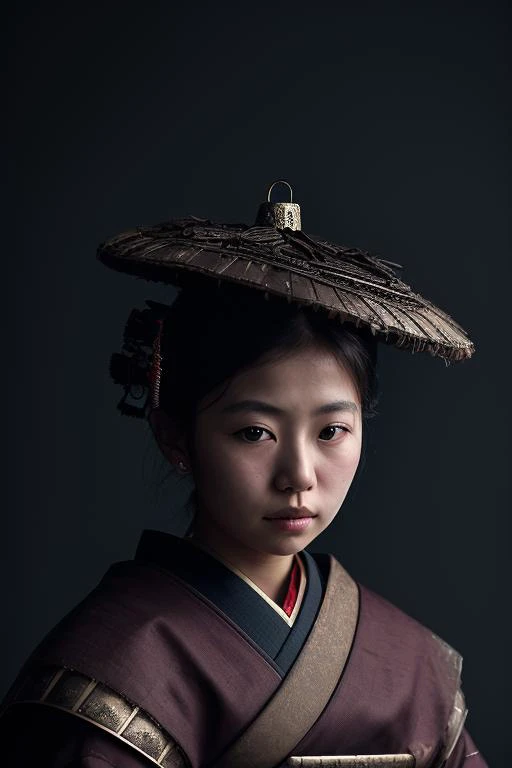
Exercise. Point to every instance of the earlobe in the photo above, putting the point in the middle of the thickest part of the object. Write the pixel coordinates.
(169, 440)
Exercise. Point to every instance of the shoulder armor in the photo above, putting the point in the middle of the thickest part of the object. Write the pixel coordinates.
(87, 698)
(455, 725)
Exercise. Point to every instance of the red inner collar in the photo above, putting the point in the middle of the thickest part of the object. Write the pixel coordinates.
(293, 589)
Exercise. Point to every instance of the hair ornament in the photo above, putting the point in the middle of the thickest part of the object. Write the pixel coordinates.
(137, 368)
(155, 370)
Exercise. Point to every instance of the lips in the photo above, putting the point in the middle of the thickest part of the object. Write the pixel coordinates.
(290, 513)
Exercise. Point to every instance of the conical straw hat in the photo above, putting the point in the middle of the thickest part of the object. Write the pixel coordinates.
(275, 256)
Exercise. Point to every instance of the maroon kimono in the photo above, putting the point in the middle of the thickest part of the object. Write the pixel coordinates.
(173, 660)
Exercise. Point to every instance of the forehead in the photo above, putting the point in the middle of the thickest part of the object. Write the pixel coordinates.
(308, 376)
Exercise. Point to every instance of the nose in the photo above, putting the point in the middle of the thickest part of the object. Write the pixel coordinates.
(295, 470)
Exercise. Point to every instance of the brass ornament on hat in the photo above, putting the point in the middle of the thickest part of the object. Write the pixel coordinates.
(275, 256)
(279, 215)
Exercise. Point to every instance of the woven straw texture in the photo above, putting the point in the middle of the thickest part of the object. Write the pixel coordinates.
(348, 282)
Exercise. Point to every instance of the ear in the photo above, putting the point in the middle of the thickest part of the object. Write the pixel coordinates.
(169, 438)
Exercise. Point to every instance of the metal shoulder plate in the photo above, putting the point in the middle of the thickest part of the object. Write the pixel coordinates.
(87, 698)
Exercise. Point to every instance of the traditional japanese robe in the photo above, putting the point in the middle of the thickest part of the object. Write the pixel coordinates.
(175, 659)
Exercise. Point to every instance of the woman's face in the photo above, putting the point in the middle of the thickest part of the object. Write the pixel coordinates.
(275, 455)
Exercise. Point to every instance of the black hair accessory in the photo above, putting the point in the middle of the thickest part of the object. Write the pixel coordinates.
(133, 368)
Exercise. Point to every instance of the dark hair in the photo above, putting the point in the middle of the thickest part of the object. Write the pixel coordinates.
(210, 333)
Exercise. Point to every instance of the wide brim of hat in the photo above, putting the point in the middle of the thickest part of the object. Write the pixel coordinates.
(349, 283)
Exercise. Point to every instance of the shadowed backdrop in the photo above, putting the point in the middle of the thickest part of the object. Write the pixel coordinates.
(391, 122)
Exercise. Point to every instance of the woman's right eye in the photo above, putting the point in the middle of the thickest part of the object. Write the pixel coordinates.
(252, 434)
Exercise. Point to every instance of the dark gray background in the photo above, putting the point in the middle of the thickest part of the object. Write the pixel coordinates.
(390, 120)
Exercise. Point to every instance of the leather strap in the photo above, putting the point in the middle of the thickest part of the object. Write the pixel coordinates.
(306, 690)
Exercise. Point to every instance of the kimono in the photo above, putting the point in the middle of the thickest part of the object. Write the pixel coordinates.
(176, 659)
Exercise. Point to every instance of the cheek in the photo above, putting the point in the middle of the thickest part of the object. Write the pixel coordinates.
(339, 472)
(225, 464)
(354, 458)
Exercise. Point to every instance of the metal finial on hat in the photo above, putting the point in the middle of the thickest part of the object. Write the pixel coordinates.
(279, 215)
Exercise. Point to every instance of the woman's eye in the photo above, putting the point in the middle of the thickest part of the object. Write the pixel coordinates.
(332, 431)
(252, 434)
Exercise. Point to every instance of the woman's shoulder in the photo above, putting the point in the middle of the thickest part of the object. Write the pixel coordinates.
(387, 632)
(397, 626)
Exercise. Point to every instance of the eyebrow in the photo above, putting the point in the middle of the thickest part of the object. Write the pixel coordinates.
(243, 406)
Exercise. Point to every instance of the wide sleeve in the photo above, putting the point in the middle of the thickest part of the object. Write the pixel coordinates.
(465, 754)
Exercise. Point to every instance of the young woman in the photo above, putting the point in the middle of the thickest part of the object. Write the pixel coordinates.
(235, 646)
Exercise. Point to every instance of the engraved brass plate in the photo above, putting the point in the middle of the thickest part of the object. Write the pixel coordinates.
(90, 700)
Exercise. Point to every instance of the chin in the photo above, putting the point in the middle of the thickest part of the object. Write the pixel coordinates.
(286, 547)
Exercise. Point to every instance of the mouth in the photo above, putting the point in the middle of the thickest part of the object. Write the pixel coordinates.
(291, 513)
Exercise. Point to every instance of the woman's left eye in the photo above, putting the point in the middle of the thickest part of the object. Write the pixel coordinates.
(334, 427)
